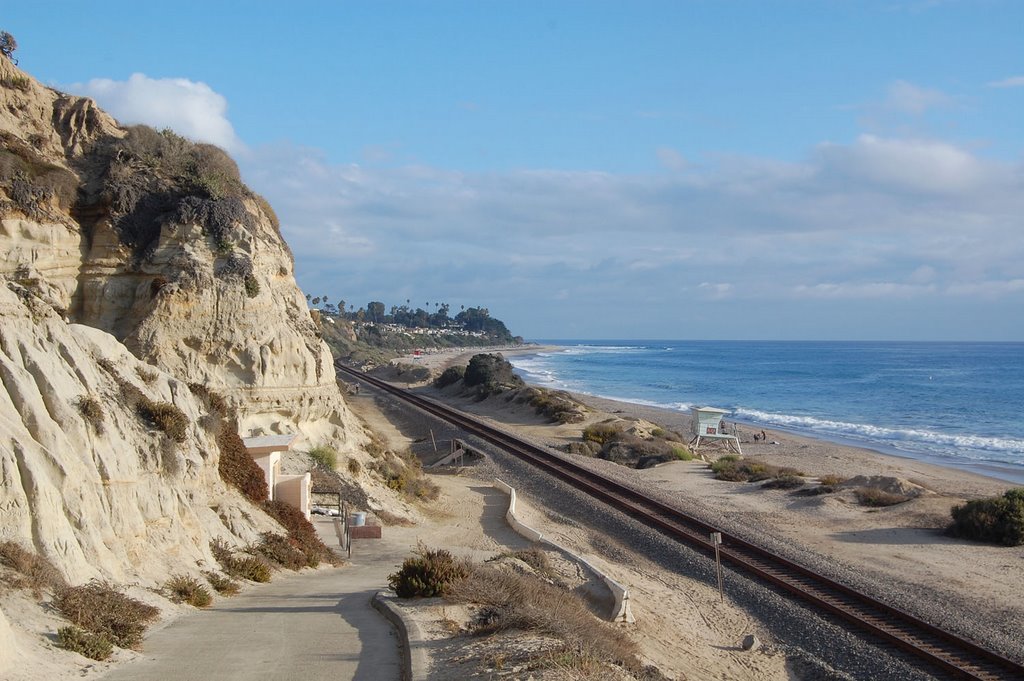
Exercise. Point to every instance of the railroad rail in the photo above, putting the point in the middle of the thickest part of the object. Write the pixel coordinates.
(953, 655)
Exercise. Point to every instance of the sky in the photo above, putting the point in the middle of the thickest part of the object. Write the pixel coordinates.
(603, 170)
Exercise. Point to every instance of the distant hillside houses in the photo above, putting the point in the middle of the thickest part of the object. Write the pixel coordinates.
(411, 331)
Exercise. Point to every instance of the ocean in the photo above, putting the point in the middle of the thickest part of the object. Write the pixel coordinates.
(954, 404)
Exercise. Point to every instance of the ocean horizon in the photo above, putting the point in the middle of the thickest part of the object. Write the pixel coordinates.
(955, 404)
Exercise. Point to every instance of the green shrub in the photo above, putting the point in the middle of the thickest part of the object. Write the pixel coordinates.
(325, 455)
(101, 608)
(15, 82)
(872, 496)
(31, 181)
(682, 453)
(733, 468)
(252, 286)
(557, 405)
(999, 520)
(34, 572)
(277, 549)
(406, 477)
(450, 376)
(223, 585)
(93, 646)
(583, 448)
(213, 172)
(785, 481)
(490, 374)
(430, 572)
(185, 589)
(265, 206)
(253, 568)
(601, 433)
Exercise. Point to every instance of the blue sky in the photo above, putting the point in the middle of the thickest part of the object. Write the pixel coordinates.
(789, 170)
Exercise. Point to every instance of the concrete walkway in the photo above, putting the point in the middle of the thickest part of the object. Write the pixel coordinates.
(311, 625)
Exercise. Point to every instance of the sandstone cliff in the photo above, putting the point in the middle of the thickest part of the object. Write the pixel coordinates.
(135, 263)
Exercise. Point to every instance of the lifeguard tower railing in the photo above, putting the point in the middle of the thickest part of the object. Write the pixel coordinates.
(708, 425)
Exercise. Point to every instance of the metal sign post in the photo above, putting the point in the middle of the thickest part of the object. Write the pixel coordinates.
(716, 539)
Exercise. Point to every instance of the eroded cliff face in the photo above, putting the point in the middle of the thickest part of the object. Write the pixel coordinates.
(87, 481)
(155, 240)
(137, 263)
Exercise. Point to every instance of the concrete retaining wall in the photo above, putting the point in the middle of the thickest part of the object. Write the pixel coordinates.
(621, 611)
(415, 661)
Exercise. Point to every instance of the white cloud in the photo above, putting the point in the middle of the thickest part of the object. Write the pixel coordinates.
(876, 220)
(715, 291)
(987, 289)
(908, 98)
(190, 108)
(671, 159)
(1012, 81)
(862, 290)
(902, 164)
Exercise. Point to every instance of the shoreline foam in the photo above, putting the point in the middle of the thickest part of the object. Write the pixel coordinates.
(842, 433)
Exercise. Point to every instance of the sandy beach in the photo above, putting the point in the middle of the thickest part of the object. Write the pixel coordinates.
(899, 552)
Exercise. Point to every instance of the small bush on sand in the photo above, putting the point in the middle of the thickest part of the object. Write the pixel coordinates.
(253, 568)
(999, 520)
(404, 475)
(33, 571)
(354, 467)
(102, 608)
(877, 498)
(94, 646)
(185, 589)
(517, 602)
(733, 468)
(223, 585)
(682, 453)
(601, 433)
(430, 572)
(92, 412)
(831, 480)
(325, 455)
(450, 376)
(784, 482)
(277, 549)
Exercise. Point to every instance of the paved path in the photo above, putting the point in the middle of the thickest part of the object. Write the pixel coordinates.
(312, 625)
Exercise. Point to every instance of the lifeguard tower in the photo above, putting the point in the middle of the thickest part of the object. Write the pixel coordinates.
(707, 425)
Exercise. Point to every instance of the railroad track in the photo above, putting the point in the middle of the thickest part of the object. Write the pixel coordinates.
(945, 652)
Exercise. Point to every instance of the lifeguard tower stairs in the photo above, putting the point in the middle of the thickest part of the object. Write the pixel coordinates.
(707, 425)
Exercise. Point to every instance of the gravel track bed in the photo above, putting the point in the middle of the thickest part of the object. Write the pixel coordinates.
(817, 648)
